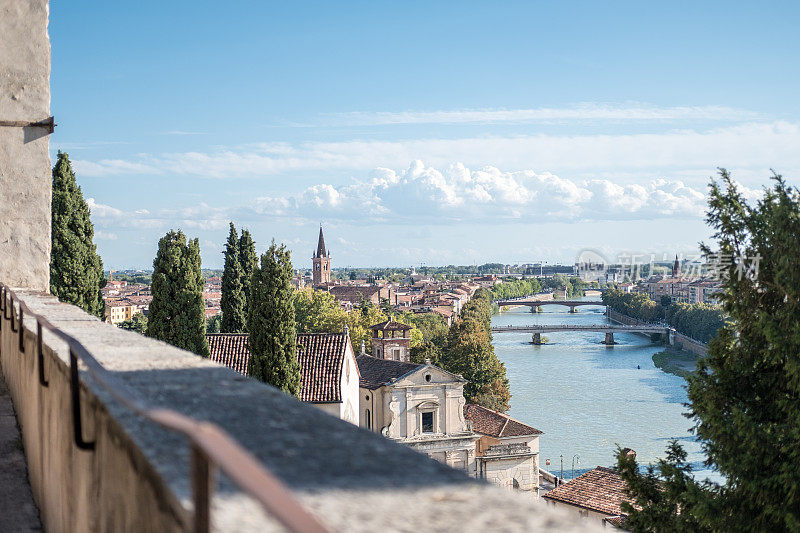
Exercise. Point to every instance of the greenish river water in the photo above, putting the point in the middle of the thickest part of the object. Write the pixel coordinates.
(587, 397)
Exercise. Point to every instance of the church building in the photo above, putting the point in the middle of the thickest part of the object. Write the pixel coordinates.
(419, 405)
(321, 263)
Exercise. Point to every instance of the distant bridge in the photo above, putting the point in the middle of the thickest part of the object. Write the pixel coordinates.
(608, 329)
(535, 304)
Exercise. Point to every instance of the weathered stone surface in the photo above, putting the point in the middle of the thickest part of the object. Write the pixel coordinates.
(24, 159)
(19, 511)
(137, 478)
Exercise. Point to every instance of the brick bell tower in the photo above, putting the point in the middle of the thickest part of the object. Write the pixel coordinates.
(321, 262)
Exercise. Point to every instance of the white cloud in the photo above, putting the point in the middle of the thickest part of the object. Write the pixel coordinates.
(105, 236)
(101, 210)
(580, 112)
(424, 194)
(750, 147)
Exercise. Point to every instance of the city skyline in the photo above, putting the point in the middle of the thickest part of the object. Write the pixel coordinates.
(421, 135)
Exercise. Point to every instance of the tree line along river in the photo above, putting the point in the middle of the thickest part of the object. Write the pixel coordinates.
(587, 397)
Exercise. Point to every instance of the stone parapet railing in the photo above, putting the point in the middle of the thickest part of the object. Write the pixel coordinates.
(136, 477)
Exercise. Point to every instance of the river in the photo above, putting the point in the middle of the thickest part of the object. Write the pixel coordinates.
(587, 397)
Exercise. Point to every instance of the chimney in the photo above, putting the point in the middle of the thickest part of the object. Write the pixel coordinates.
(346, 330)
(363, 348)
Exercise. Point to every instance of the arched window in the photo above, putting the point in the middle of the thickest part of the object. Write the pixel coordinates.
(368, 419)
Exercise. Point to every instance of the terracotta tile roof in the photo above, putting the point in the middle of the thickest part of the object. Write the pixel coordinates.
(616, 521)
(390, 325)
(494, 424)
(377, 372)
(600, 489)
(353, 294)
(229, 349)
(321, 356)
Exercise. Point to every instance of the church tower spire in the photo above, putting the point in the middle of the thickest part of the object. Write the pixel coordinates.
(321, 262)
(676, 267)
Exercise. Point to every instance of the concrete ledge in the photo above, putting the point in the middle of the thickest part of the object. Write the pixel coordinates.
(137, 477)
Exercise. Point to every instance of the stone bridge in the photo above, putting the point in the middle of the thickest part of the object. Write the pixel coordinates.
(608, 329)
(536, 305)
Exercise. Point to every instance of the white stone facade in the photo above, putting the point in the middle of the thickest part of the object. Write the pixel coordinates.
(424, 410)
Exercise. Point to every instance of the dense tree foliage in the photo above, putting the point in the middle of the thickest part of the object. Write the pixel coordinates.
(271, 322)
(76, 270)
(213, 324)
(637, 305)
(469, 352)
(319, 312)
(745, 395)
(232, 303)
(248, 261)
(516, 288)
(137, 323)
(177, 311)
(698, 321)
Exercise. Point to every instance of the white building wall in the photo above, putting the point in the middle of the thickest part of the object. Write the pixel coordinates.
(349, 408)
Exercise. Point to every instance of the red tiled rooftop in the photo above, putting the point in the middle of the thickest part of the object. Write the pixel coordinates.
(494, 424)
(321, 356)
(600, 489)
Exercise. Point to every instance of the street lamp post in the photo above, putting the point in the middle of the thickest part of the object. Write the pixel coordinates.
(574, 457)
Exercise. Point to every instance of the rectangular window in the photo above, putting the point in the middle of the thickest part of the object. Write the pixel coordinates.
(427, 422)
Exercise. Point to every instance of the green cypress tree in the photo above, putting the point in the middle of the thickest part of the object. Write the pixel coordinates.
(177, 312)
(271, 322)
(745, 394)
(248, 261)
(76, 270)
(232, 303)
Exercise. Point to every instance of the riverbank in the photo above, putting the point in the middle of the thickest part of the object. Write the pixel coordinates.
(678, 362)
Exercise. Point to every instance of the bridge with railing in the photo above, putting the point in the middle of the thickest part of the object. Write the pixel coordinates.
(536, 303)
(609, 329)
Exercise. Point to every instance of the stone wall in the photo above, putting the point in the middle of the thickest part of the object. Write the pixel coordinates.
(25, 173)
(505, 464)
(690, 344)
(137, 477)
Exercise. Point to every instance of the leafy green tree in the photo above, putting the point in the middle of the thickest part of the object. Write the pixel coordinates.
(137, 323)
(271, 322)
(745, 395)
(427, 351)
(177, 311)
(232, 303)
(662, 492)
(248, 261)
(213, 324)
(469, 352)
(318, 312)
(76, 270)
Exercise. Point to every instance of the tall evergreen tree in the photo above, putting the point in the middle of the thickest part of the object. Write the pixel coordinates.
(745, 396)
(469, 352)
(232, 303)
(271, 322)
(248, 261)
(76, 270)
(177, 312)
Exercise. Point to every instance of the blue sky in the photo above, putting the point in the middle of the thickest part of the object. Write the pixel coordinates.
(420, 132)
